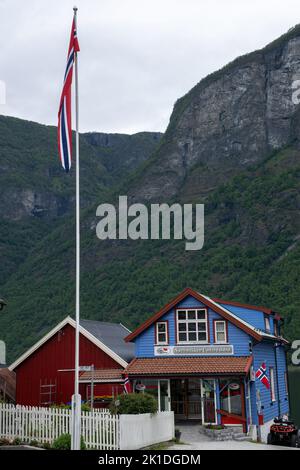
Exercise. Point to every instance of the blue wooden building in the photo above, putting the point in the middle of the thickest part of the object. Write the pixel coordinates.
(199, 357)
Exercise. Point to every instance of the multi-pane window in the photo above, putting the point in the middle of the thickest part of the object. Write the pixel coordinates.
(162, 332)
(192, 326)
(220, 331)
(272, 384)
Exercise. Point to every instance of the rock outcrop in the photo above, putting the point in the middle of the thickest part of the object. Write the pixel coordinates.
(231, 119)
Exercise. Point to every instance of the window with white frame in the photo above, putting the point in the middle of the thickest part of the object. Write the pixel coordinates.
(272, 384)
(220, 331)
(192, 326)
(286, 383)
(267, 324)
(162, 332)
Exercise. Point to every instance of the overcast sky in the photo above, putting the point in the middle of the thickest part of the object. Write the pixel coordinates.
(137, 56)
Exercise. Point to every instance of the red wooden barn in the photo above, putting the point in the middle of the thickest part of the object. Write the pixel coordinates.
(45, 373)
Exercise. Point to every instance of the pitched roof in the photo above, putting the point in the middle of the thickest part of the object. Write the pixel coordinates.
(109, 337)
(260, 308)
(247, 327)
(210, 303)
(112, 335)
(189, 365)
(102, 375)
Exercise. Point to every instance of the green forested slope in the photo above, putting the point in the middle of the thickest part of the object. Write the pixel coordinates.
(250, 254)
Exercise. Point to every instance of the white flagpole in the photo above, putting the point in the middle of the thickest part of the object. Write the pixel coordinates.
(76, 399)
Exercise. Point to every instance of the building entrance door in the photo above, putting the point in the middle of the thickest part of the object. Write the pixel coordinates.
(194, 398)
(194, 407)
(186, 398)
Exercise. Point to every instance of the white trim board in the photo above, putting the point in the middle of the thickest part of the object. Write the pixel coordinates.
(101, 381)
(83, 331)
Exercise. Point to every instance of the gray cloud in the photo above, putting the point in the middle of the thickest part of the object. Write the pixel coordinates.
(137, 56)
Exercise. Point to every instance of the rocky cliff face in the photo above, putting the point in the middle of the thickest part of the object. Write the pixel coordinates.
(232, 119)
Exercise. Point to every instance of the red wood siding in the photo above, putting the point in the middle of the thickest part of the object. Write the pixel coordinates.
(57, 353)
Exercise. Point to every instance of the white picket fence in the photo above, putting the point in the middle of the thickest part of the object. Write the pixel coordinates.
(100, 429)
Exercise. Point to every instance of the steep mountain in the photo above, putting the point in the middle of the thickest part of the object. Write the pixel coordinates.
(36, 194)
(233, 144)
(232, 119)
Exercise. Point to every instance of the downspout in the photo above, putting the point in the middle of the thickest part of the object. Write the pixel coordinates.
(287, 380)
(277, 383)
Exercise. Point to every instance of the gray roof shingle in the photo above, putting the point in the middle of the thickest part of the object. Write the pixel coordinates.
(112, 335)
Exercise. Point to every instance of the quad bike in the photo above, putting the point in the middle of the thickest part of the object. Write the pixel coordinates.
(285, 432)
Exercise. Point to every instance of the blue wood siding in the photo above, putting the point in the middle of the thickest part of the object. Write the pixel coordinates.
(281, 361)
(256, 318)
(265, 352)
(253, 403)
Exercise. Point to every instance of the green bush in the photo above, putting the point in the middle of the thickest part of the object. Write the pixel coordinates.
(217, 427)
(46, 445)
(134, 403)
(85, 407)
(17, 441)
(34, 443)
(63, 442)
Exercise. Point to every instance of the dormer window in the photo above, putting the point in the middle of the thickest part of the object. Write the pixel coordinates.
(162, 332)
(220, 331)
(192, 326)
(276, 332)
(267, 324)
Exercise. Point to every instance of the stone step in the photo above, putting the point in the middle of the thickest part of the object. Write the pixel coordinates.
(241, 438)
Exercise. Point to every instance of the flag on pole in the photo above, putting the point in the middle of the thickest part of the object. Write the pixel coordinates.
(64, 130)
(127, 385)
(261, 374)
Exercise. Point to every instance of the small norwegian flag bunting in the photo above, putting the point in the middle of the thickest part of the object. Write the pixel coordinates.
(127, 385)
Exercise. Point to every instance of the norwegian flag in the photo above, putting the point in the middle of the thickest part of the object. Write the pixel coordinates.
(127, 385)
(64, 129)
(261, 374)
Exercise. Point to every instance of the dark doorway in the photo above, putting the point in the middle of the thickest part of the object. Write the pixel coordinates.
(186, 398)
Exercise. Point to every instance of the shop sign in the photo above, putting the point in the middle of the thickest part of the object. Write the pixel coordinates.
(197, 350)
